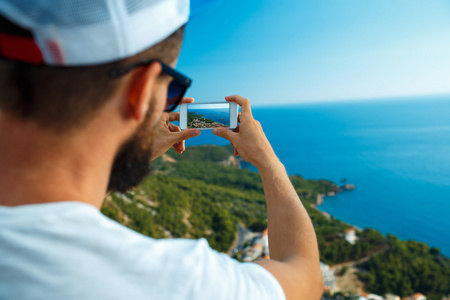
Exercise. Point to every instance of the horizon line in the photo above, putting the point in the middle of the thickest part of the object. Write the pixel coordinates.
(363, 99)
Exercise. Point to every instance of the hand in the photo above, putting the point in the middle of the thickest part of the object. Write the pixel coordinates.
(248, 138)
(168, 134)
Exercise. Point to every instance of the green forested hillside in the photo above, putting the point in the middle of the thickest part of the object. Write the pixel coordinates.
(202, 193)
(408, 267)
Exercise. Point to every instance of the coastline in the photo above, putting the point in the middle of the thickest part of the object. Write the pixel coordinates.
(372, 144)
(321, 199)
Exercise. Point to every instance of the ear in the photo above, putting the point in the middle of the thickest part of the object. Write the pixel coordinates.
(142, 85)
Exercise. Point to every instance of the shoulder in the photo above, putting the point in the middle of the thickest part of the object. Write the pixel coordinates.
(194, 270)
(220, 277)
(199, 271)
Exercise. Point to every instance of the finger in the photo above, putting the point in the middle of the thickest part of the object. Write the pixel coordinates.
(225, 133)
(173, 128)
(187, 100)
(236, 153)
(176, 137)
(174, 116)
(246, 110)
(181, 146)
(177, 148)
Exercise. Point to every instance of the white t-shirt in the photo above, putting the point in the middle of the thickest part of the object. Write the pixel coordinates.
(69, 250)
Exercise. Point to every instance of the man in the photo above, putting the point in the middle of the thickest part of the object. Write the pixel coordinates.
(84, 86)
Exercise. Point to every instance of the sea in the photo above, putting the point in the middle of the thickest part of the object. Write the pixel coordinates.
(396, 151)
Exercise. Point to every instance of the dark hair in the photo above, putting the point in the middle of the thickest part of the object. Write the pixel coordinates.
(65, 98)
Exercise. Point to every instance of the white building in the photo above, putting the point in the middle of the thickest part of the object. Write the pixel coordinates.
(366, 296)
(258, 249)
(392, 297)
(350, 236)
(329, 279)
(419, 296)
(375, 297)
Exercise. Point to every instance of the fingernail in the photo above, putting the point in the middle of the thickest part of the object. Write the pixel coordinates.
(196, 132)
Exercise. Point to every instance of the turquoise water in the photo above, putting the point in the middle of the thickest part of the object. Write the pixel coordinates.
(397, 153)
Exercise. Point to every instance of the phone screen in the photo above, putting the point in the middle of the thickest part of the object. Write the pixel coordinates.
(208, 115)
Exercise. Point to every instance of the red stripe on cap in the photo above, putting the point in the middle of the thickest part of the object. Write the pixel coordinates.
(20, 48)
(55, 52)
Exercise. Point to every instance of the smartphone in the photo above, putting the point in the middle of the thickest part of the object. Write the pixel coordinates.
(208, 115)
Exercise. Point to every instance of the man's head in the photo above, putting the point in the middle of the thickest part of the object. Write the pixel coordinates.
(65, 99)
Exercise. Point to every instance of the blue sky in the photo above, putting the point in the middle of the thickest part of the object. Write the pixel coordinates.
(294, 51)
(209, 106)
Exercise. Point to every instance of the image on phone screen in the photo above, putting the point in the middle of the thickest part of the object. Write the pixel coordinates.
(208, 115)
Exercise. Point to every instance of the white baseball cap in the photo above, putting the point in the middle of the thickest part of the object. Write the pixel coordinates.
(86, 32)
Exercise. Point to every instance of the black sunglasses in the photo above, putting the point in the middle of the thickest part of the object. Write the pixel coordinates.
(177, 87)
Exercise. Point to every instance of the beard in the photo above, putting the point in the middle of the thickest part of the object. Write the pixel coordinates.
(132, 162)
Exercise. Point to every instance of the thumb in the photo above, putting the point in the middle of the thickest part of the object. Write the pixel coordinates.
(225, 133)
(184, 135)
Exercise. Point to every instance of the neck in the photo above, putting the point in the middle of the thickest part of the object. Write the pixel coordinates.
(41, 166)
